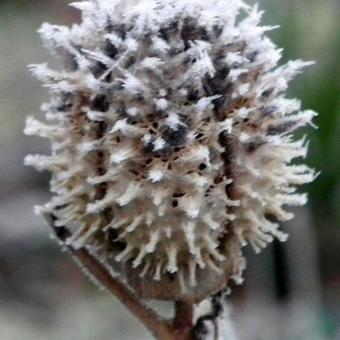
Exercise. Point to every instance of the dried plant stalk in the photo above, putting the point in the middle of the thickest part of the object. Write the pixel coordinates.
(172, 143)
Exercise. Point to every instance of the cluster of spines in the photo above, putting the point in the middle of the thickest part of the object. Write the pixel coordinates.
(170, 132)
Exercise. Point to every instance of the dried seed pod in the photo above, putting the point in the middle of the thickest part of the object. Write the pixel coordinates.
(171, 139)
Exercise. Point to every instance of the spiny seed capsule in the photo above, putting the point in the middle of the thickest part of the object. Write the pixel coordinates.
(171, 139)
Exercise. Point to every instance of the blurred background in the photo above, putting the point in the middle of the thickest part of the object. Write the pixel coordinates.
(291, 291)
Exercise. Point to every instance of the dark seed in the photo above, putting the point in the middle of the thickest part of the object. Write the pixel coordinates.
(189, 32)
(134, 172)
(164, 34)
(173, 27)
(98, 69)
(252, 56)
(218, 179)
(120, 30)
(267, 93)
(100, 103)
(149, 147)
(203, 33)
(130, 61)
(175, 137)
(178, 195)
(109, 49)
(227, 155)
(119, 245)
(111, 235)
(62, 233)
(223, 73)
(193, 95)
(131, 120)
(218, 29)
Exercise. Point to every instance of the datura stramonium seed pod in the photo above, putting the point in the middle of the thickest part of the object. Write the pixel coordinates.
(171, 140)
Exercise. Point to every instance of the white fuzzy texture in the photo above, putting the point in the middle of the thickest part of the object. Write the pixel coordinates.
(171, 133)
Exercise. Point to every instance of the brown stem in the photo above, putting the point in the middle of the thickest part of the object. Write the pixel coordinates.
(147, 316)
(183, 320)
(181, 327)
(152, 321)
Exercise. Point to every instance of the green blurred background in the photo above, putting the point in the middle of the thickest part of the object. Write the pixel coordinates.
(292, 291)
